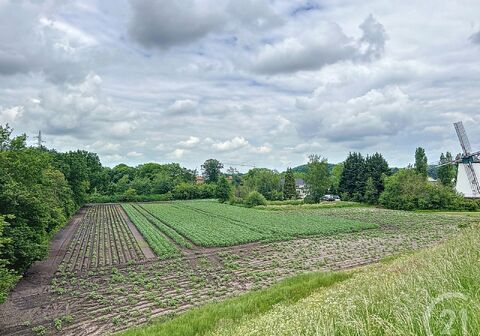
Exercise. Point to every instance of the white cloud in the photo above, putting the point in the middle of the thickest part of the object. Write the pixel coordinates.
(232, 144)
(122, 128)
(177, 153)
(190, 142)
(322, 45)
(134, 154)
(12, 114)
(182, 106)
(378, 112)
(265, 148)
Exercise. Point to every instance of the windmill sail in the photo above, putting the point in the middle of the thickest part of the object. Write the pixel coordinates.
(472, 179)
(462, 137)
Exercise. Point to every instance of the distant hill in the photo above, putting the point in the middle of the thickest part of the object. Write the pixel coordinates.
(303, 168)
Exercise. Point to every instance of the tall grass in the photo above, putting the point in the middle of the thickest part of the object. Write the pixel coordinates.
(431, 292)
(201, 320)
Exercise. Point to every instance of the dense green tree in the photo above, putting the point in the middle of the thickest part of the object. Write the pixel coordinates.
(353, 179)
(211, 170)
(335, 178)
(448, 172)
(8, 278)
(317, 178)
(371, 192)
(421, 163)
(289, 189)
(376, 168)
(236, 177)
(142, 185)
(82, 170)
(267, 182)
(224, 190)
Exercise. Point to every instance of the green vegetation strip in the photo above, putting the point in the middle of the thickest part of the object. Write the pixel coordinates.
(180, 240)
(283, 225)
(203, 229)
(201, 320)
(154, 237)
(410, 295)
(209, 223)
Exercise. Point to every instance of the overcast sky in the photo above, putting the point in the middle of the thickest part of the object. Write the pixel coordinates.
(253, 82)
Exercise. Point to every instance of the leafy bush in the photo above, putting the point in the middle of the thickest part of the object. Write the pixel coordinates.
(409, 190)
(254, 199)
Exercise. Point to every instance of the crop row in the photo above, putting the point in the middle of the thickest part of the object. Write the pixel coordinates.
(179, 239)
(102, 238)
(204, 229)
(159, 243)
(214, 224)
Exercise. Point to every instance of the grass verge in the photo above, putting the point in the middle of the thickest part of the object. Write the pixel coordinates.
(279, 206)
(430, 292)
(204, 319)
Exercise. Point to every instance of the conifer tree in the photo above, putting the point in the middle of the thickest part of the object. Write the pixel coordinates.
(289, 191)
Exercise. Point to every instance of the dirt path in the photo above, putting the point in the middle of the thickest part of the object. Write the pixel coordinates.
(36, 281)
(147, 251)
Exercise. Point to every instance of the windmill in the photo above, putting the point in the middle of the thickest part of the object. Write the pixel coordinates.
(468, 166)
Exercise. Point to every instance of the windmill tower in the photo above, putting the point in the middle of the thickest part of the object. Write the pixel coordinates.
(468, 166)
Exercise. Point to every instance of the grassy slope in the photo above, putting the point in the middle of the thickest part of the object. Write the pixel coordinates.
(201, 320)
(388, 299)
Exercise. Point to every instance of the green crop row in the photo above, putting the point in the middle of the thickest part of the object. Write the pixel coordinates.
(203, 229)
(214, 224)
(286, 224)
(154, 237)
(179, 239)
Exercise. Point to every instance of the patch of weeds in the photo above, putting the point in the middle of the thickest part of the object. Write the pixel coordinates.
(39, 330)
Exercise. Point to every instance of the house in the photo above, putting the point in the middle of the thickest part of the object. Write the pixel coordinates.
(301, 188)
(199, 179)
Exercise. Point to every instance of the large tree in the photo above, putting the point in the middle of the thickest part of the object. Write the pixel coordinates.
(224, 189)
(211, 170)
(447, 173)
(317, 178)
(353, 179)
(376, 168)
(421, 163)
(289, 190)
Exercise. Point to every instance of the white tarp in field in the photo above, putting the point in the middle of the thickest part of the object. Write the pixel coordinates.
(463, 185)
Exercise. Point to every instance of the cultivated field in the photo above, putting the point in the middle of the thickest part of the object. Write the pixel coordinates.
(108, 279)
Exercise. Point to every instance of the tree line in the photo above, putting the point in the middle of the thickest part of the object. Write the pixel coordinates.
(39, 190)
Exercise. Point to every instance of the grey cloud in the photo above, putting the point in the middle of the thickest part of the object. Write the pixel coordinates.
(373, 38)
(475, 38)
(165, 23)
(322, 45)
(38, 44)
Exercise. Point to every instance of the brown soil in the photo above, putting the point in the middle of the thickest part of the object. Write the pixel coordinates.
(147, 251)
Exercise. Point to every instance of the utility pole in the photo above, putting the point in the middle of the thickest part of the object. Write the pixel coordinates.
(39, 139)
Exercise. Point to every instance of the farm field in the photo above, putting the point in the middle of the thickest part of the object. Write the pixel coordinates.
(123, 287)
(214, 224)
